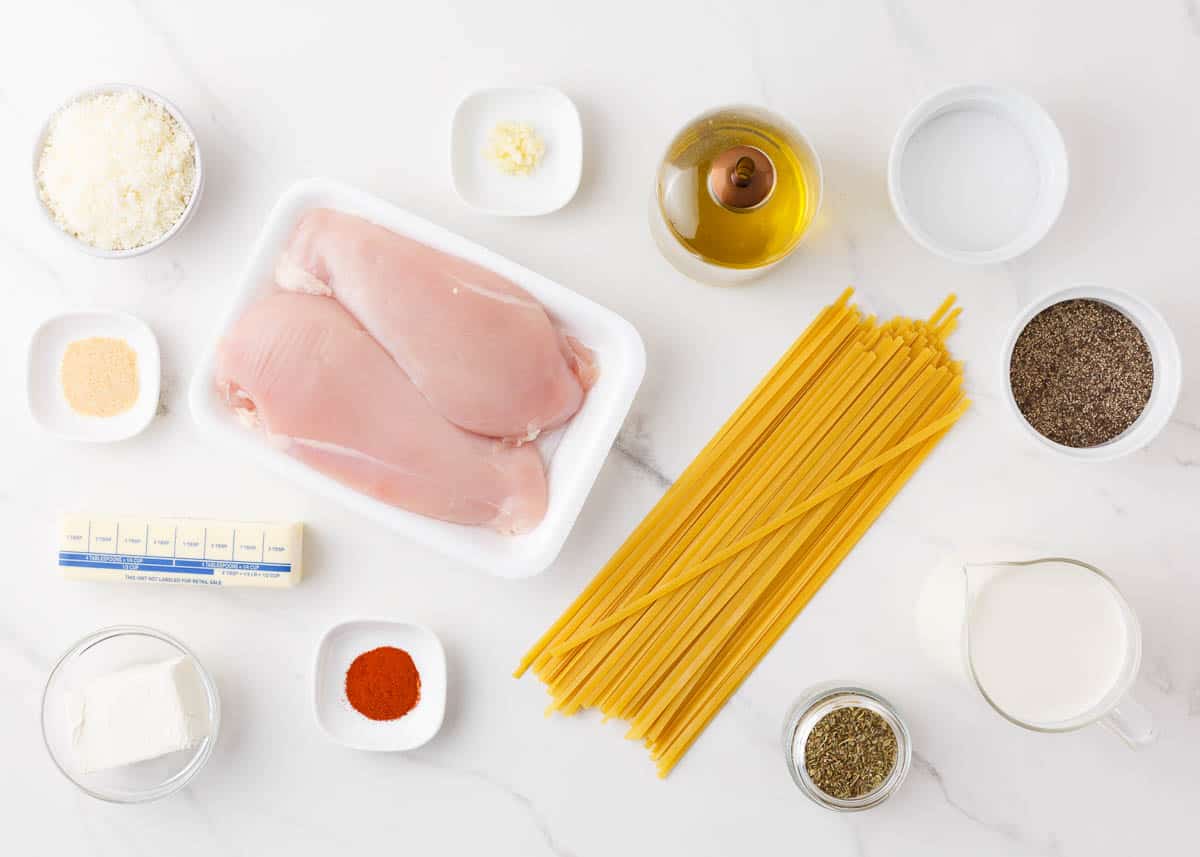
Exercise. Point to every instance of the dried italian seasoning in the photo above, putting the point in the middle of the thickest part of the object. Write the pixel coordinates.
(850, 752)
(1081, 373)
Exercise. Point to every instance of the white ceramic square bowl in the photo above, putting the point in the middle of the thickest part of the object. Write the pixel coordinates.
(337, 650)
(553, 182)
(48, 404)
(574, 454)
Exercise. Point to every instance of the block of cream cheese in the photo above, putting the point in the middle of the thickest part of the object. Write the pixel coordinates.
(138, 713)
(180, 550)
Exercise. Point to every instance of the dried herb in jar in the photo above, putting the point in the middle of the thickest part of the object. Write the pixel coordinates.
(850, 752)
(1081, 373)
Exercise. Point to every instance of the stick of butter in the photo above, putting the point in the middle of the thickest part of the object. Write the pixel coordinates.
(180, 550)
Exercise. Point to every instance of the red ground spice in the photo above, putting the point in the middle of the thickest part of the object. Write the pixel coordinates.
(383, 684)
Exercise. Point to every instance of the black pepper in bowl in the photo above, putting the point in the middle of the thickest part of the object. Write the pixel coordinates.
(1081, 373)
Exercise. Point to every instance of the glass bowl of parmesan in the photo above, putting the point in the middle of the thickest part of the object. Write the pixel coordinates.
(129, 715)
(117, 170)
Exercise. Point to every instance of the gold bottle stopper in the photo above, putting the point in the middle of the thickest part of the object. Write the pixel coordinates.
(741, 178)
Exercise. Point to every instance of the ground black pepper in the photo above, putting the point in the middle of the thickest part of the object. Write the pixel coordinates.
(1081, 373)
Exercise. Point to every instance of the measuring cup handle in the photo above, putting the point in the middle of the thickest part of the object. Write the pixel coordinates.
(1132, 722)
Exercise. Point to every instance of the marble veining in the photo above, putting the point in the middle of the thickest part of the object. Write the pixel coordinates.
(523, 802)
(633, 444)
(1007, 830)
(1192, 9)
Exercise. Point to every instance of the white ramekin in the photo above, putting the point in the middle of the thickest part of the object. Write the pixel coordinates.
(184, 217)
(1164, 351)
(1044, 140)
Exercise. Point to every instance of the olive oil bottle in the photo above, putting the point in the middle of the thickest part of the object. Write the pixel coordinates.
(736, 191)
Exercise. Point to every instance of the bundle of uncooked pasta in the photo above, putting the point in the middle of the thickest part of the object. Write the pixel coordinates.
(731, 554)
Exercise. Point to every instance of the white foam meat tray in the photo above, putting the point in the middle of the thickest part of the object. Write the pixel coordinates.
(573, 454)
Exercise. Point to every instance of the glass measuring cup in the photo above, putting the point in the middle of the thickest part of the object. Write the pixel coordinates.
(1088, 659)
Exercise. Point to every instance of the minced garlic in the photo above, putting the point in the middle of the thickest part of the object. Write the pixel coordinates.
(100, 376)
(515, 148)
(116, 170)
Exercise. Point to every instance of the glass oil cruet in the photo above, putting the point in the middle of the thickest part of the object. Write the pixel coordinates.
(735, 193)
(1051, 644)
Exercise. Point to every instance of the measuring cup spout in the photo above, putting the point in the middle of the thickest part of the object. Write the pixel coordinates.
(976, 576)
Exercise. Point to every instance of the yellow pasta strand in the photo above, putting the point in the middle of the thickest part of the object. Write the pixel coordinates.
(742, 666)
(755, 535)
(692, 600)
(814, 348)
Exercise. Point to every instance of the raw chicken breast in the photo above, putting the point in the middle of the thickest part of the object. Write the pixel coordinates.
(300, 367)
(481, 349)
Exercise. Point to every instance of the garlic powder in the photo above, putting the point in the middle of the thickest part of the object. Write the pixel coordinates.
(117, 170)
(100, 376)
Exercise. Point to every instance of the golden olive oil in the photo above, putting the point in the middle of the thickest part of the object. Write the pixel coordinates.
(725, 235)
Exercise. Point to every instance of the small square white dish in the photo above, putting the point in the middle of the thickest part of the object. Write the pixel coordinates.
(338, 648)
(573, 454)
(48, 404)
(553, 182)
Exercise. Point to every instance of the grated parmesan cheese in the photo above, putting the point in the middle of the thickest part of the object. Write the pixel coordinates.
(117, 170)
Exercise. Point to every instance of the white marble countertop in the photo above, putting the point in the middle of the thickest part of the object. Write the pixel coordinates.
(364, 92)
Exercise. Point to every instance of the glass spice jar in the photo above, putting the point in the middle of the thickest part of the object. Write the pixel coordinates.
(810, 709)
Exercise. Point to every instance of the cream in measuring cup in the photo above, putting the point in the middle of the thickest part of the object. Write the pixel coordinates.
(1051, 644)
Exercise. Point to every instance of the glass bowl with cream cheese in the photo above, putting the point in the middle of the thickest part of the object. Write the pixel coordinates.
(129, 715)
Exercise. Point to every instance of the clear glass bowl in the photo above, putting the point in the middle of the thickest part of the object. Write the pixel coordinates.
(824, 699)
(97, 654)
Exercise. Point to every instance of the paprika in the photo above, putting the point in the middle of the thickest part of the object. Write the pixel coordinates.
(383, 684)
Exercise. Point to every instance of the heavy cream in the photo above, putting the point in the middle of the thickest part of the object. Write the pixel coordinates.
(1049, 642)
